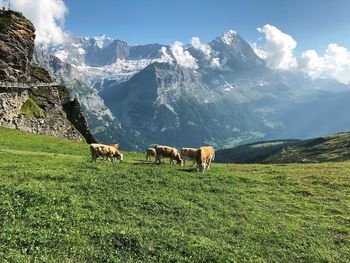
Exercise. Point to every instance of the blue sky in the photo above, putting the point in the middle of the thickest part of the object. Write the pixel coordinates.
(313, 24)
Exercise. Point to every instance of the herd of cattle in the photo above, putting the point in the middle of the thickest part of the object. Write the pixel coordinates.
(203, 156)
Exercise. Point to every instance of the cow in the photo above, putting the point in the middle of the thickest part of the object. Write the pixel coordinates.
(168, 152)
(150, 152)
(188, 154)
(110, 152)
(205, 155)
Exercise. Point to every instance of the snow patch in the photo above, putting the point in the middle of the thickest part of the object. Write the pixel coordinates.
(229, 36)
(103, 41)
(62, 55)
(81, 51)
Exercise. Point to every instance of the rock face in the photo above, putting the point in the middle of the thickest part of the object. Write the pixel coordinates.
(16, 46)
(51, 120)
(45, 110)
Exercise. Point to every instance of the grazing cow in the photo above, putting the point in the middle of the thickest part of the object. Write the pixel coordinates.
(168, 152)
(150, 152)
(205, 155)
(104, 150)
(188, 154)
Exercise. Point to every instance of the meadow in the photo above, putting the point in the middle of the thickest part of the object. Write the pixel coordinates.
(58, 206)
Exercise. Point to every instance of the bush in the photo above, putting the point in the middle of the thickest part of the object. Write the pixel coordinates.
(30, 109)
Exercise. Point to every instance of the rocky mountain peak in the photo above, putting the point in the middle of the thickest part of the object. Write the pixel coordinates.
(102, 41)
(228, 37)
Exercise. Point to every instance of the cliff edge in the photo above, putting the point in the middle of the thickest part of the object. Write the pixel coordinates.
(24, 104)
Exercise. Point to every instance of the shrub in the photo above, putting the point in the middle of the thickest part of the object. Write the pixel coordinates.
(30, 109)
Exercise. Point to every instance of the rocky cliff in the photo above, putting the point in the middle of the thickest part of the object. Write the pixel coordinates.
(43, 109)
(16, 46)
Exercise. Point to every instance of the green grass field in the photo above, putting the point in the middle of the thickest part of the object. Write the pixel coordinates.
(57, 206)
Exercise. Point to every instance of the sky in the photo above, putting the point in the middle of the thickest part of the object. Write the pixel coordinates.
(313, 23)
(308, 35)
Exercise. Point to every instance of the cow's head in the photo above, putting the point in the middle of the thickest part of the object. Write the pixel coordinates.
(118, 156)
(179, 159)
(203, 166)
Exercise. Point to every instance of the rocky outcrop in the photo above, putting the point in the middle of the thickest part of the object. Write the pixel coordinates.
(16, 46)
(16, 111)
(43, 109)
(75, 115)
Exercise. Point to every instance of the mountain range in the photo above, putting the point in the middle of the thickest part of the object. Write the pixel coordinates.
(219, 93)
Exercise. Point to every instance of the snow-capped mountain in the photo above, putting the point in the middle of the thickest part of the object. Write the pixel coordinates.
(219, 92)
(102, 58)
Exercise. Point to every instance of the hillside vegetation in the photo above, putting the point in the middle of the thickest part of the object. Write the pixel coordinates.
(57, 206)
(257, 152)
(332, 148)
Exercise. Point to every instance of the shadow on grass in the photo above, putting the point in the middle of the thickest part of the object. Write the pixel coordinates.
(142, 162)
(189, 170)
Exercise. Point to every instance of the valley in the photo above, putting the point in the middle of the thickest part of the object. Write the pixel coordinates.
(226, 97)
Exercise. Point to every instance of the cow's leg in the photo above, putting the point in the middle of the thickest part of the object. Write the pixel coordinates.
(94, 157)
(146, 157)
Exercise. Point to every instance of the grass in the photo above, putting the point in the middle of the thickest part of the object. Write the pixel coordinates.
(30, 109)
(330, 148)
(4, 23)
(57, 206)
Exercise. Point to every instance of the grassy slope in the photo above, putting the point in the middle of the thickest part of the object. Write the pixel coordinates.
(56, 206)
(332, 148)
(257, 152)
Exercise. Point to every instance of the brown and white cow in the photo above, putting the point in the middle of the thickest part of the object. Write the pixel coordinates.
(188, 154)
(168, 152)
(150, 152)
(205, 155)
(103, 150)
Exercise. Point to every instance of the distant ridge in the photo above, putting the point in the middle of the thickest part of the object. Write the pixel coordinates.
(331, 148)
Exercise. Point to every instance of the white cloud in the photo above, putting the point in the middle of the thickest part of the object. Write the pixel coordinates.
(278, 48)
(334, 64)
(165, 56)
(215, 63)
(310, 63)
(207, 51)
(47, 17)
(260, 52)
(183, 57)
(205, 48)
